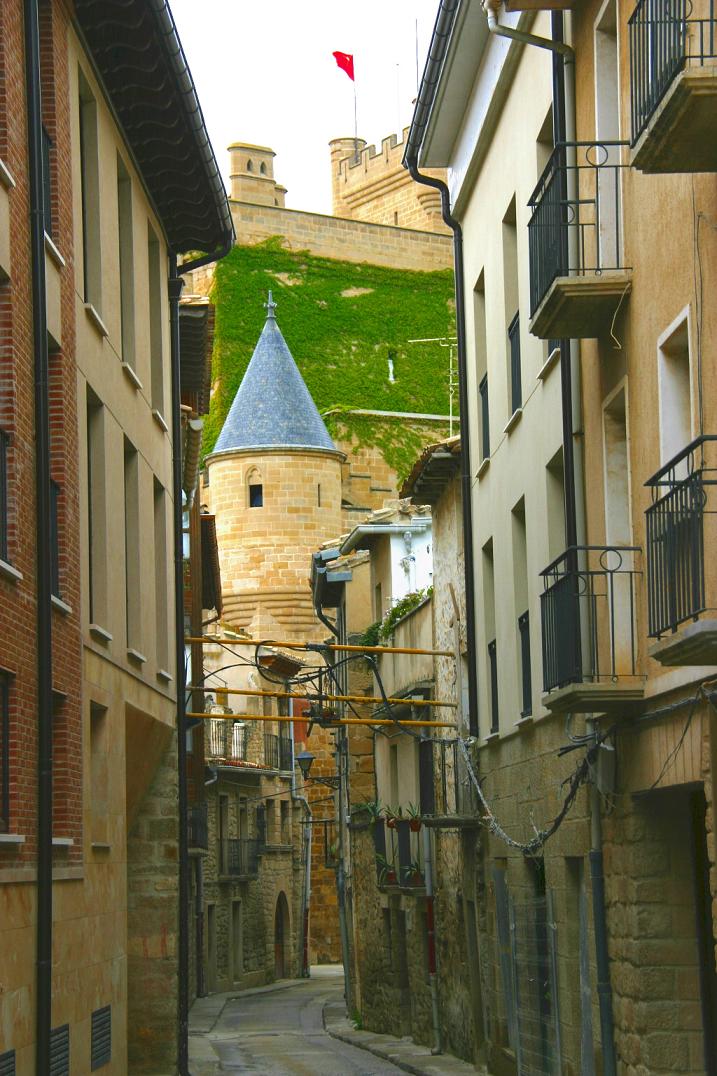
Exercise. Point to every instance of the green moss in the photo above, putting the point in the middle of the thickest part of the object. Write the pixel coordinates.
(341, 343)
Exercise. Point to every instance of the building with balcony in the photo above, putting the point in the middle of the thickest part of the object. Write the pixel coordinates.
(92, 225)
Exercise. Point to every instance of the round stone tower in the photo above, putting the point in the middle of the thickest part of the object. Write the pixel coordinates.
(275, 489)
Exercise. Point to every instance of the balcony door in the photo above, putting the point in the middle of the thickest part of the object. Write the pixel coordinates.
(606, 179)
(619, 627)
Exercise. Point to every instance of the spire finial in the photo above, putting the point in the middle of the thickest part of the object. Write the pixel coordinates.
(270, 307)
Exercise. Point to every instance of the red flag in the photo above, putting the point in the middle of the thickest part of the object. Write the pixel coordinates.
(345, 61)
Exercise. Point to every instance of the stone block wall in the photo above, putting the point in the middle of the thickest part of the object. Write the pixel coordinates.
(373, 185)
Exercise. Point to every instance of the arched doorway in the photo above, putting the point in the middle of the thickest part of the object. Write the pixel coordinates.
(281, 938)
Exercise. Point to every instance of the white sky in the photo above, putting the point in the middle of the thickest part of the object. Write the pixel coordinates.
(265, 74)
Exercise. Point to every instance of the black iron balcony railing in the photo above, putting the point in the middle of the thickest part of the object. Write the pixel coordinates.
(399, 853)
(197, 826)
(575, 227)
(664, 37)
(226, 740)
(277, 751)
(588, 616)
(493, 679)
(675, 536)
(516, 391)
(239, 856)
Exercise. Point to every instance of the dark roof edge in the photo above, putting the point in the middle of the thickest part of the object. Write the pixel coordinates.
(193, 111)
(437, 50)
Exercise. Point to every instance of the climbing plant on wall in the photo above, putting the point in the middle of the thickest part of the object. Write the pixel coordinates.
(343, 323)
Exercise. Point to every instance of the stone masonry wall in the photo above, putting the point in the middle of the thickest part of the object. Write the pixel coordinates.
(152, 894)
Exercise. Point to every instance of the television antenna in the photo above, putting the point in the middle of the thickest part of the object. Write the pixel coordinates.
(451, 343)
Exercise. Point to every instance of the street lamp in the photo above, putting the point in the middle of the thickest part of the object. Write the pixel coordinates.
(305, 760)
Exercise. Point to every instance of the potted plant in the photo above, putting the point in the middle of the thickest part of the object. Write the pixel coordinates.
(386, 871)
(393, 817)
(415, 875)
(414, 818)
(372, 809)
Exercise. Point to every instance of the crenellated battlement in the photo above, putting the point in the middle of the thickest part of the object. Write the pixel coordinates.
(369, 183)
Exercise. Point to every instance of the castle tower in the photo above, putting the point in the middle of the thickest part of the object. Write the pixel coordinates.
(252, 175)
(275, 488)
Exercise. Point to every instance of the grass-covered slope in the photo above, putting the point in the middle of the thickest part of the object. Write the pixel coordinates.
(342, 323)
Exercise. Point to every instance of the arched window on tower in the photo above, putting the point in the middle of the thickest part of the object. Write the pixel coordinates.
(255, 489)
(250, 165)
(262, 168)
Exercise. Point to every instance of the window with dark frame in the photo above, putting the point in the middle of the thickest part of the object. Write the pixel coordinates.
(55, 538)
(256, 495)
(484, 424)
(516, 392)
(493, 665)
(4, 752)
(4, 507)
(524, 633)
(46, 183)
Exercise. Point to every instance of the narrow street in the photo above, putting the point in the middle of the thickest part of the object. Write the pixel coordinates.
(281, 1031)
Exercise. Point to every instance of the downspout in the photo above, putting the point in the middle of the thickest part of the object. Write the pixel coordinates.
(175, 290)
(43, 1010)
(306, 887)
(576, 534)
(431, 937)
(175, 285)
(491, 9)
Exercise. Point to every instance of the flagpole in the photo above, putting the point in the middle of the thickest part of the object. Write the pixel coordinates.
(356, 151)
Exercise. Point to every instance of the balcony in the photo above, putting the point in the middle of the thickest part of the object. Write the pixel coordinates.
(678, 578)
(448, 796)
(277, 752)
(226, 741)
(673, 86)
(577, 272)
(399, 854)
(239, 857)
(197, 826)
(588, 628)
(400, 673)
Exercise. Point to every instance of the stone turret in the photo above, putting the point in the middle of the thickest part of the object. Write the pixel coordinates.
(252, 175)
(275, 489)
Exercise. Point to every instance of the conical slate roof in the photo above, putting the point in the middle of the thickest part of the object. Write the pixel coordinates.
(273, 407)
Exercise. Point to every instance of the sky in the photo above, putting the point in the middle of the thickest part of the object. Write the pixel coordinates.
(265, 74)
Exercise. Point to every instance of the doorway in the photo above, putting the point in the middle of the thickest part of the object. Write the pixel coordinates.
(281, 938)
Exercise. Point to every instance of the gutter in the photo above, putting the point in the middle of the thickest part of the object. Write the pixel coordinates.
(491, 9)
(439, 44)
(43, 1010)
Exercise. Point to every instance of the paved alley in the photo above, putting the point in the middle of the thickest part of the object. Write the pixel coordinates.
(277, 1031)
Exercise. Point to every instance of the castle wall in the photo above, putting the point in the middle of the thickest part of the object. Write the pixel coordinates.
(374, 186)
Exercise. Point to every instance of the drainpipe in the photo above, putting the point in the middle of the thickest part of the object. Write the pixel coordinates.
(491, 9)
(176, 284)
(306, 887)
(431, 935)
(602, 957)
(175, 290)
(43, 1012)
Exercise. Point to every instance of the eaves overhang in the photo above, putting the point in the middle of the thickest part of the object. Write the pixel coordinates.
(453, 60)
(138, 56)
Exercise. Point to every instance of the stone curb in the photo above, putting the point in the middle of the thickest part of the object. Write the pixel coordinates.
(204, 1012)
(404, 1053)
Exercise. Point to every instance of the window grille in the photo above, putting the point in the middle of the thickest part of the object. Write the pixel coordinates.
(493, 664)
(516, 392)
(60, 1051)
(7, 1063)
(101, 1042)
(484, 423)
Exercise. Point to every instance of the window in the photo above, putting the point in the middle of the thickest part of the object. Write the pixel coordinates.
(131, 546)
(526, 679)
(155, 320)
(46, 182)
(99, 775)
(285, 823)
(378, 602)
(4, 752)
(237, 940)
(521, 597)
(90, 194)
(126, 263)
(55, 538)
(250, 165)
(490, 632)
(555, 498)
(675, 389)
(484, 420)
(516, 392)
(161, 582)
(510, 293)
(262, 168)
(4, 507)
(96, 510)
(60, 1051)
(255, 489)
